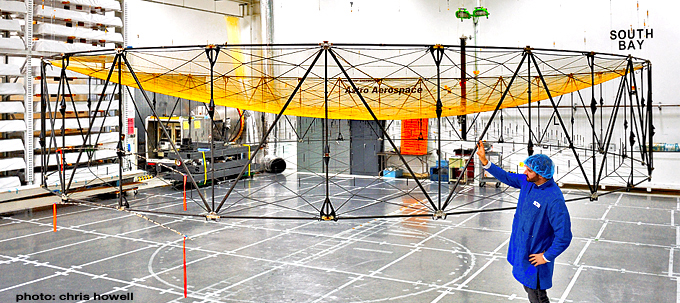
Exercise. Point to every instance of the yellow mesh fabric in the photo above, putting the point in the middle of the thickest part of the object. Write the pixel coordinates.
(262, 79)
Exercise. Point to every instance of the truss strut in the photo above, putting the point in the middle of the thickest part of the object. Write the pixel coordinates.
(486, 128)
(382, 128)
(264, 138)
(165, 131)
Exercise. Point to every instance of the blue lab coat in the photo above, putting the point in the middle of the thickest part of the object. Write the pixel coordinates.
(541, 224)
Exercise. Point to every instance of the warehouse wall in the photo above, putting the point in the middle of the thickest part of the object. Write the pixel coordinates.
(154, 24)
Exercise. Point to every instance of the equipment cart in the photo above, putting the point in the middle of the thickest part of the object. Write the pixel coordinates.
(484, 177)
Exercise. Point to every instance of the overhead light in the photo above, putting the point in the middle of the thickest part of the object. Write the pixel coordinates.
(463, 13)
(480, 12)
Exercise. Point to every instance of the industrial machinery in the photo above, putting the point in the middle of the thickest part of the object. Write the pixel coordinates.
(228, 159)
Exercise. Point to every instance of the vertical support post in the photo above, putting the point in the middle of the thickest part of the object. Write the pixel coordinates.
(44, 96)
(121, 137)
(327, 210)
(631, 82)
(593, 108)
(62, 111)
(650, 125)
(572, 109)
(212, 52)
(463, 89)
(437, 52)
(530, 145)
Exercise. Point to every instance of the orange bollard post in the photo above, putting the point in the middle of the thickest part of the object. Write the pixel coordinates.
(184, 252)
(185, 192)
(54, 216)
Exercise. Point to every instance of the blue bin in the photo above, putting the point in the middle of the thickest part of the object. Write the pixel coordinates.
(389, 173)
(435, 177)
(435, 172)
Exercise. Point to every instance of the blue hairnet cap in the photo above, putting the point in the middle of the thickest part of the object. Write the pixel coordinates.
(541, 164)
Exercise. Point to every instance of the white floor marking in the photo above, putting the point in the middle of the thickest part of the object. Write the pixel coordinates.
(583, 251)
(606, 212)
(670, 263)
(599, 233)
(374, 250)
(571, 284)
(672, 217)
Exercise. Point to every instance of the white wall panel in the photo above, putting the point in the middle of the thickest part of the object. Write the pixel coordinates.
(153, 24)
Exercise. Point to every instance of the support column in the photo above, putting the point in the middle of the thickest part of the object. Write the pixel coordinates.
(593, 108)
(650, 125)
(44, 98)
(212, 52)
(120, 152)
(327, 210)
(462, 119)
(437, 53)
(62, 111)
(530, 144)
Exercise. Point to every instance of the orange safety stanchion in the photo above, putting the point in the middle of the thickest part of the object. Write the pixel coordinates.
(184, 252)
(185, 192)
(54, 216)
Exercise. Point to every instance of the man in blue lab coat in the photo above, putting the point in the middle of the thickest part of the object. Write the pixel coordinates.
(541, 229)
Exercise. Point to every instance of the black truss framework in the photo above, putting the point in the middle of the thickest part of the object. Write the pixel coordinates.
(638, 126)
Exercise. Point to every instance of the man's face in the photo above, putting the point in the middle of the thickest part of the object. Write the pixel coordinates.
(531, 175)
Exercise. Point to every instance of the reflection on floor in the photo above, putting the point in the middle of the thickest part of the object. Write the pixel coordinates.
(624, 247)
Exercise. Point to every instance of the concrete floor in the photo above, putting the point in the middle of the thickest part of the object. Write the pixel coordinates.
(624, 249)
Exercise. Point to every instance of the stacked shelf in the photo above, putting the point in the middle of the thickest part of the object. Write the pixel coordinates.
(13, 95)
(31, 29)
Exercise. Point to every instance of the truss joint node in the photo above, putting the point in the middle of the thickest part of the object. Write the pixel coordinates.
(593, 196)
(328, 218)
(325, 45)
(212, 216)
(440, 214)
